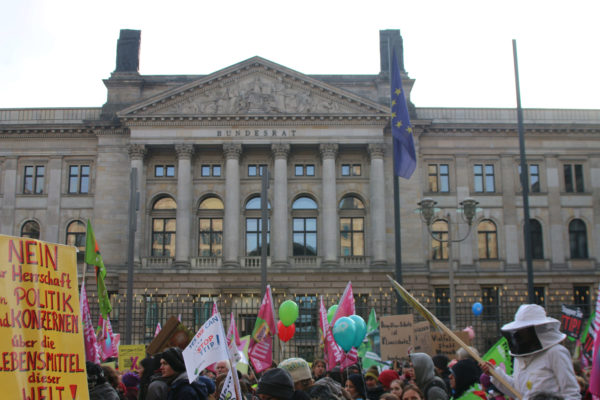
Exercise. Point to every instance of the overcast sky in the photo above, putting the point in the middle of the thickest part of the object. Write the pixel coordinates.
(55, 53)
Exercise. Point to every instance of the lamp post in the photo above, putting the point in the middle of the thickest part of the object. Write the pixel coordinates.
(468, 207)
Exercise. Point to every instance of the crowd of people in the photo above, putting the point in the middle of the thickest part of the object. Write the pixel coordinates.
(543, 370)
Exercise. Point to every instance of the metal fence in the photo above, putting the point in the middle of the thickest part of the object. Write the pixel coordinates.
(150, 310)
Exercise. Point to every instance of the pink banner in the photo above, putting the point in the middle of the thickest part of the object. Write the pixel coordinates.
(333, 352)
(232, 332)
(108, 341)
(89, 336)
(157, 330)
(215, 310)
(346, 304)
(261, 346)
(595, 374)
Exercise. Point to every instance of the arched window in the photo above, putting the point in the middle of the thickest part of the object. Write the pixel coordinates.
(30, 229)
(352, 226)
(439, 250)
(76, 237)
(578, 239)
(164, 227)
(537, 240)
(254, 227)
(210, 225)
(487, 237)
(304, 227)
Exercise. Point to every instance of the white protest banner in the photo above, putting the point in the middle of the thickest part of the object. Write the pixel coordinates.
(229, 387)
(208, 346)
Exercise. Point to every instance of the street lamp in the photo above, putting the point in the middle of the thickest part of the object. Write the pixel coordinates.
(468, 208)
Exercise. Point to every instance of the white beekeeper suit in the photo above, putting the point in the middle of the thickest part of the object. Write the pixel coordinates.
(541, 362)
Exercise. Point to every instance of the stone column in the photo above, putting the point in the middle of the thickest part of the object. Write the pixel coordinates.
(329, 222)
(53, 174)
(137, 152)
(279, 222)
(9, 190)
(231, 230)
(184, 203)
(467, 248)
(377, 206)
(513, 230)
(557, 236)
(594, 241)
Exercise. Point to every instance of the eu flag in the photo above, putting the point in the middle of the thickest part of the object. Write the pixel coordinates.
(405, 158)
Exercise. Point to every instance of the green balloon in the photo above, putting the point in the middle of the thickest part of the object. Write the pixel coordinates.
(331, 312)
(288, 312)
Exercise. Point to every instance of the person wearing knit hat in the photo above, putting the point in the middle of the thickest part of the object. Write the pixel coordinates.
(172, 368)
(386, 377)
(356, 387)
(131, 380)
(275, 384)
(98, 386)
(541, 363)
(299, 371)
(372, 385)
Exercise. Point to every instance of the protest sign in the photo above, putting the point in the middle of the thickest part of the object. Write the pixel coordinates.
(571, 321)
(208, 346)
(42, 347)
(396, 336)
(173, 334)
(444, 344)
(130, 356)
(422, 338)
(231, 386)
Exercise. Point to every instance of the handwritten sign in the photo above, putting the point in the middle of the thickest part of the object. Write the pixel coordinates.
(443, 343)
(422, 338)
(571, 321)
(130, 356)
(396, 336)
(42, 354)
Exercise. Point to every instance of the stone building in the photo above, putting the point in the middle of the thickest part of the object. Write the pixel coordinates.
(199, 145)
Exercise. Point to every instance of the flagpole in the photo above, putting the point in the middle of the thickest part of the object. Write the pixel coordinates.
(524, 182)
(397, 230)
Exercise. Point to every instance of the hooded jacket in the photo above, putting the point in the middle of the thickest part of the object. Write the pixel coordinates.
(432, 386)
(182, 389)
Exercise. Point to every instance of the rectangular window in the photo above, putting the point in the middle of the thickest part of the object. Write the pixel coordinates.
(164, 171)
(539, 293)
(573, 178)
(79, 179)
(304, 236)
(210, 170)
(442, 303)
(489, 300)
(534, 178)
(254, 236)
(304, 170)
(484, 178)
(210, 243)
(352, 236)
(307, 322)
(256, 169)
(351, 170)
(163, 237)
(439, 178)
(581, 299)
(33, 179)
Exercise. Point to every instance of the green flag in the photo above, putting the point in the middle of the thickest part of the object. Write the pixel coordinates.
(367, 349)
(93, 257)
(500, 354)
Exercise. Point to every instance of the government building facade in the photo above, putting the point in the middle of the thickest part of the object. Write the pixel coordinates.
(199, 146)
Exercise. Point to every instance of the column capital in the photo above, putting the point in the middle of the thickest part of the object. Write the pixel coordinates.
(376, 150)
(232, 150)
(280, 150)
(184, 151)
(328, 150)
(137, 151)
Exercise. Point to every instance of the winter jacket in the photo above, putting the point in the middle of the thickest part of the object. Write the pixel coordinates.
(103, 391)
(432, 386)
(182, 389)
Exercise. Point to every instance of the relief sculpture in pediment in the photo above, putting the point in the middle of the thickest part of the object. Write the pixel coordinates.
(256, 94)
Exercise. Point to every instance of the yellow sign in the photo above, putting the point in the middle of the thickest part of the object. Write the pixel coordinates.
(42, 354)
(130, 356)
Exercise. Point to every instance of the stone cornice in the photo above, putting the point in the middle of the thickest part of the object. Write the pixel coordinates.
(508, 131)
(257, 120)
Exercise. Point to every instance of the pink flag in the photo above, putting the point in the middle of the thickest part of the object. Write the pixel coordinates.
(158, 329)
(215, 310)
(333, 352)
(232, 332)
(108, 341)
(261, 346)
(349, 359)
(346, 304)
(595, 374)
(89, 336)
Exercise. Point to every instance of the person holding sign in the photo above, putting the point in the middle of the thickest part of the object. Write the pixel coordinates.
(541, 362)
